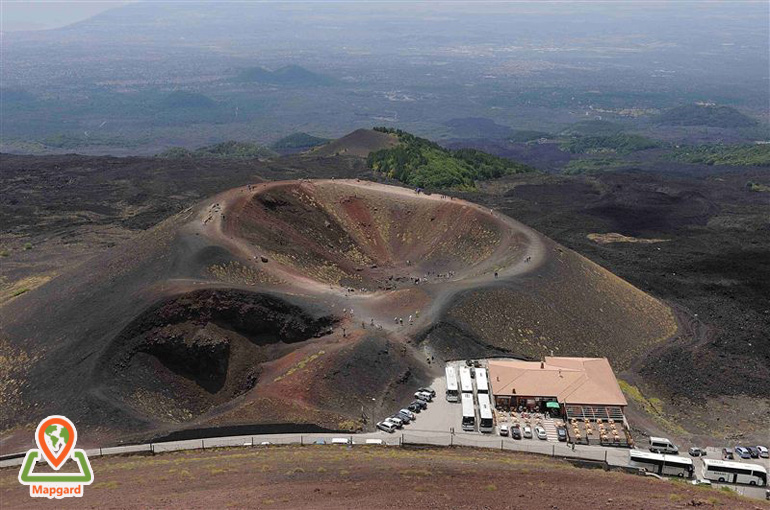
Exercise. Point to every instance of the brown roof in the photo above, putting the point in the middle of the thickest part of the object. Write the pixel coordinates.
(570, 380)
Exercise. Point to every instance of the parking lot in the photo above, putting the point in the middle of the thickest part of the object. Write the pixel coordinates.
(441, 424)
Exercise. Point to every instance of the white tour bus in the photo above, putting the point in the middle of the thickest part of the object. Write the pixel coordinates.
(482, 385)
(486, 422)
(452, 394)
(662, 445)
(669, 465)
(469, 412)
(465, 380)
(734, 472)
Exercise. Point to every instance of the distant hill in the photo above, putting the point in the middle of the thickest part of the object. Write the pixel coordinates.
(288, 75)
(224, 150)
(593, 128)
(422, 163)
(478, 127)
(299, 141)
(729, 155)
(481, 128)
(180, 99)
(527, 135)
(705, 115)
(621, 143)
(360, 142)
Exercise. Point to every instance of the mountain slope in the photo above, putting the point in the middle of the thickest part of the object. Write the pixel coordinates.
(240, 311)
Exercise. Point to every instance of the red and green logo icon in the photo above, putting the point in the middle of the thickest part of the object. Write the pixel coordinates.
(56, 437)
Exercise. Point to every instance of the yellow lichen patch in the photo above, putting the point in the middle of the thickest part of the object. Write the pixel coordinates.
(14, 365)
(300, 365)
(614, 237)
(238, 274)
(11, 290)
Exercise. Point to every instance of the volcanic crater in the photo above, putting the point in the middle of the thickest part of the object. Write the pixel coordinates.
(323, 303)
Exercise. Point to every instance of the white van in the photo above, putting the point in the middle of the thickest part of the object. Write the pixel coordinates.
(663, 445)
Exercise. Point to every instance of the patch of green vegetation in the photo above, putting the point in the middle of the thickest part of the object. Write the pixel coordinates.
(299, 141)
(4, 253)
(592, 166)
(224, 150)
(528, 135)
(19, 292)
(593, 128)
(652, 406)
(753, 186)
(705, 115)
(620, 143)
(720, 154)
(421, 163)
(27, 246)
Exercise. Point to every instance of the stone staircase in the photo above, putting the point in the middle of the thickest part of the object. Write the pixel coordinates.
(550, 430)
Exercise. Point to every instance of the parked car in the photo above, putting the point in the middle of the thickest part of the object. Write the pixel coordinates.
(398, 421)
(516, 432)
(503, 430)
(387, 426)
(762, 451)
(696, 452)
(540, 432)
(415, 408)
(468, 362)
(428, 390)
(408, 413)
(421, 395)
(743, 452)
(527, 431)
(405, 419)
(753, 452)
(663, 445)
(701, 481)
(727, 454)
(420, 403)
(561, 432)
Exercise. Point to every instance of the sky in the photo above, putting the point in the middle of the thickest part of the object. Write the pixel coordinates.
(16, 15)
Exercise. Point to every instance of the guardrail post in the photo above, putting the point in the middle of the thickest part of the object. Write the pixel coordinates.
(451, 440)
(152, 449)
(100, 452)
(553, 450)
(203, 444)
(252, 440)
(401, 440)
(501, 444)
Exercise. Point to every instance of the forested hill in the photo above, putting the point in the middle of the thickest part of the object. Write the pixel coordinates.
(422, 163)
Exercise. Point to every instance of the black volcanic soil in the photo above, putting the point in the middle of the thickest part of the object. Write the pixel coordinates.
(714, 265)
